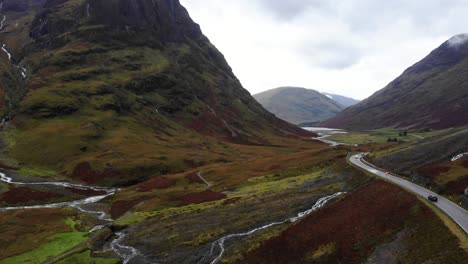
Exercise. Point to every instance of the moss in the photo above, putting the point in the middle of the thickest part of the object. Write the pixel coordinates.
(71, 223)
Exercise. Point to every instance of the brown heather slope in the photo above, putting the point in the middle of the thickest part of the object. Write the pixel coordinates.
(117, 91)
(378, 217)
(431, 94)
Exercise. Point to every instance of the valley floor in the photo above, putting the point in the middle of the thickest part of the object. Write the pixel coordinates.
(255, 210)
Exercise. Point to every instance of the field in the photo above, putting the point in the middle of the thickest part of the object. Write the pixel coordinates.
(182, 215)
(382, 135)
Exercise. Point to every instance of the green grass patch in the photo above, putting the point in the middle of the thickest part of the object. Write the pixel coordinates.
(71, 223)
(271, 183)
(373, 136)
(254, 186)
(57, 244)
(25, 171)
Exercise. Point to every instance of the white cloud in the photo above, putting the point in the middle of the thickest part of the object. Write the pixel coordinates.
(349, 47)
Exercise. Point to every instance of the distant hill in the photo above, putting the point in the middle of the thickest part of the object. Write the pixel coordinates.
(342, 100)
(431, 94)
(299, 105)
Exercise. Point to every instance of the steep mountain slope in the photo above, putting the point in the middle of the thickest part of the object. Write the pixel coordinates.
(342, 100)
(433, 93)
(298, 105)
(115, 91)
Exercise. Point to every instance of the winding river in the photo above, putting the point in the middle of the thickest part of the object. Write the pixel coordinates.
(325, 133)
(127, 253)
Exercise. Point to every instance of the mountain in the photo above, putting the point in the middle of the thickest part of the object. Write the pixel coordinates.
(433, 93)
(114, 91)
(342, 100)
(298, 105)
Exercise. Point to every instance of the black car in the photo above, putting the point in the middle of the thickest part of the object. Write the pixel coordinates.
(432, 198)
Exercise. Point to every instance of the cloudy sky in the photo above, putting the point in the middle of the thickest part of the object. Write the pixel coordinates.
(349, 47)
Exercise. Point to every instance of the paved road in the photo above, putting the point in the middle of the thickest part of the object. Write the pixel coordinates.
(458, 214)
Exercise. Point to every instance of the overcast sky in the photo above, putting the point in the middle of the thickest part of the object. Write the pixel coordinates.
(349, 47)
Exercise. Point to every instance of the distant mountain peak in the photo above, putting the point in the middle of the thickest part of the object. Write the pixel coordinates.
(342, 100)
(299, 105)
(458, 40)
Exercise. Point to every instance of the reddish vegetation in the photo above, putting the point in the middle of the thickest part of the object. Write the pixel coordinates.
(193, 178)
(24, 195)
(25, 230)
(211, 124)
(6, 167)
(354, 225)
(85, 192)
(119, 208)
(458, 186)
(433, 170)
(201, 197)
(158, 182)
(465, 163)
(85, 173)
(207, 123)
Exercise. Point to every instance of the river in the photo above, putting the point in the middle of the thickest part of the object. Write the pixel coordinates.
(127, 253)
(325, 133)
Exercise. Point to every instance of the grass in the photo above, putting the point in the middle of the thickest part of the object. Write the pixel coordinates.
(450, 224)
(380, 136)
(56, 245)
(272, 183)
(373, 136)
(35, 172)
(26, 230)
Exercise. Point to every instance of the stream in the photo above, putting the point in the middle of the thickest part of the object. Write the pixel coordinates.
(127, 253)
(218, 245)
(22, 69)
(459, 156)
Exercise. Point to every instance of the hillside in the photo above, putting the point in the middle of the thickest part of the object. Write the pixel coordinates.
(298, 105)
(342, 100)
(113, 92)
(432, 162)
(431, 94)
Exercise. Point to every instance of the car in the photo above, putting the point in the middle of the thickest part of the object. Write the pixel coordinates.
(432, 198)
